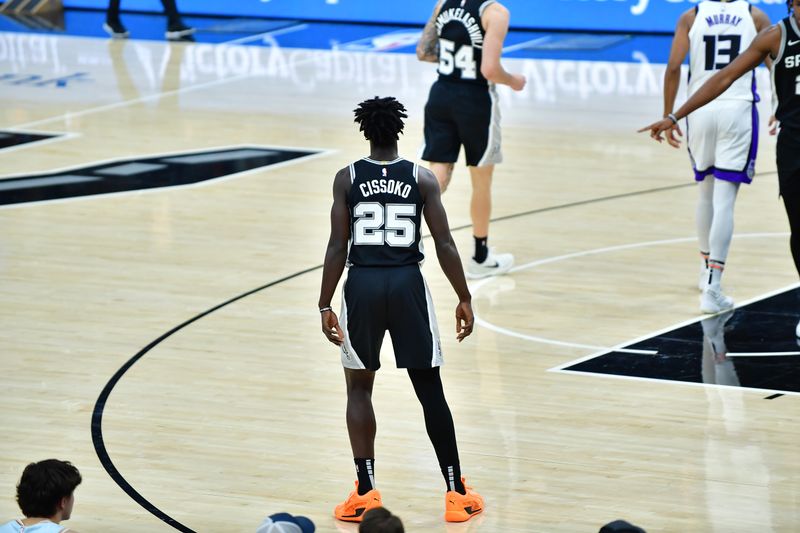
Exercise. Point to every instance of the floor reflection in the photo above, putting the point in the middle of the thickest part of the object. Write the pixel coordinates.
(753, 346)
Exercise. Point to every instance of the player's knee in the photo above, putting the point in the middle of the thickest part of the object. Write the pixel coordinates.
(444, 182)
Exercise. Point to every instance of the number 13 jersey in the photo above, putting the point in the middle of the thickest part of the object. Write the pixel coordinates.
(461, 35)
(385, 214)
(721, 31)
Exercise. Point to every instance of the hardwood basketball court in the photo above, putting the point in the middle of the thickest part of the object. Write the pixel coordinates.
(240, 412)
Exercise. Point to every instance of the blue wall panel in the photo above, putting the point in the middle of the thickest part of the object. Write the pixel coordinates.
(617, 15)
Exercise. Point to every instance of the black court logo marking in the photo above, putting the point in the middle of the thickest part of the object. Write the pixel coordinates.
(752, 347)
(134, 174)
(10, 139)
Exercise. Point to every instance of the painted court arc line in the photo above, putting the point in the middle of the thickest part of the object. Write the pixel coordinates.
(97, 413)
(601, 349)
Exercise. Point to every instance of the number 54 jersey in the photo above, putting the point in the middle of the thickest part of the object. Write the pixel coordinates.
(461, 35)
(385, 214)
(721, 31)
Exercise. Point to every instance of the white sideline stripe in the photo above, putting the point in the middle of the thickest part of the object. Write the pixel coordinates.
(760, 354)
(678, 383)
(523, 45)
(271, 33)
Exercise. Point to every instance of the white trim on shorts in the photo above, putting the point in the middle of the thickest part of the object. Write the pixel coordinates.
(493, 154)
(350, 358)
(436, 353)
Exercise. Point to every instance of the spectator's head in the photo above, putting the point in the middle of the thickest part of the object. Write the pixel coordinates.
(46, 489)
(380, 520)
(381, 120)
(286, 523)
(621, 526)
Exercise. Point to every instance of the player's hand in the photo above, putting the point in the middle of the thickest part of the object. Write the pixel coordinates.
(668, 128)
(518, 82)
(331, 328)
(774, 125)
(465, 320)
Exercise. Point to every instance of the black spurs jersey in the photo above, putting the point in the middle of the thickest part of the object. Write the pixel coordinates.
(786, 76)
(385, 214)
(461, 36)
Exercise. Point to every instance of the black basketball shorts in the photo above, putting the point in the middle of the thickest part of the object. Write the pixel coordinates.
(788, 161)
(394, 299)
(462, 114)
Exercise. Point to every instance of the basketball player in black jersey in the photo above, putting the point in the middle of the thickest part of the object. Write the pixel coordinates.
(376, 223)
(466, 38)
(781, 43)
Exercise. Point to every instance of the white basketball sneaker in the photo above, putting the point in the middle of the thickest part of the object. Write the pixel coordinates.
(494, 265)
(714, 301)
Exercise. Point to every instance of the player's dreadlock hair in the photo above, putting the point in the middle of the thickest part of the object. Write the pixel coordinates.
(381, 119)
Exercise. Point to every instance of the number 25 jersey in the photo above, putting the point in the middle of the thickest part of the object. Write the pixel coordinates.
(385, 214)
(461, 35)
(721, 31)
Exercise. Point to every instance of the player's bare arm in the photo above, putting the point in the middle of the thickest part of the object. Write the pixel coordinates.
(495, 20)
(428, 45)
(677, 55)
(760, 19)
(335, 256)
(446, 250)
(767, 42)
(762, 22)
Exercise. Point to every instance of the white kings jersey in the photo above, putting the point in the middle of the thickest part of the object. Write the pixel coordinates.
(721, 31)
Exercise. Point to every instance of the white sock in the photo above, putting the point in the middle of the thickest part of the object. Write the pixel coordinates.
(721, 231)
(705, 211)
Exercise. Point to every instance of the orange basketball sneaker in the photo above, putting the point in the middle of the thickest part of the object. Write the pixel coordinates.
(462, 507)
(354, 507)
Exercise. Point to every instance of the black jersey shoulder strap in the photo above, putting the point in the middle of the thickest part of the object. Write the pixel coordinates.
(484, 5)
(789, 32)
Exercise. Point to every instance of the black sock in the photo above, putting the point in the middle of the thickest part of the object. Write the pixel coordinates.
(452, 478)
(171, 11)
(366, 475)
(112, 14)
(481, 250)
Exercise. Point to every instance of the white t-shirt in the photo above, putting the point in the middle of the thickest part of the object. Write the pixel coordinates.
(45, 526)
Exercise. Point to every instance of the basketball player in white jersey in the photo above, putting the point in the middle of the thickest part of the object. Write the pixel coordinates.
(780, 43)
(723, 136)
(45, 495)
